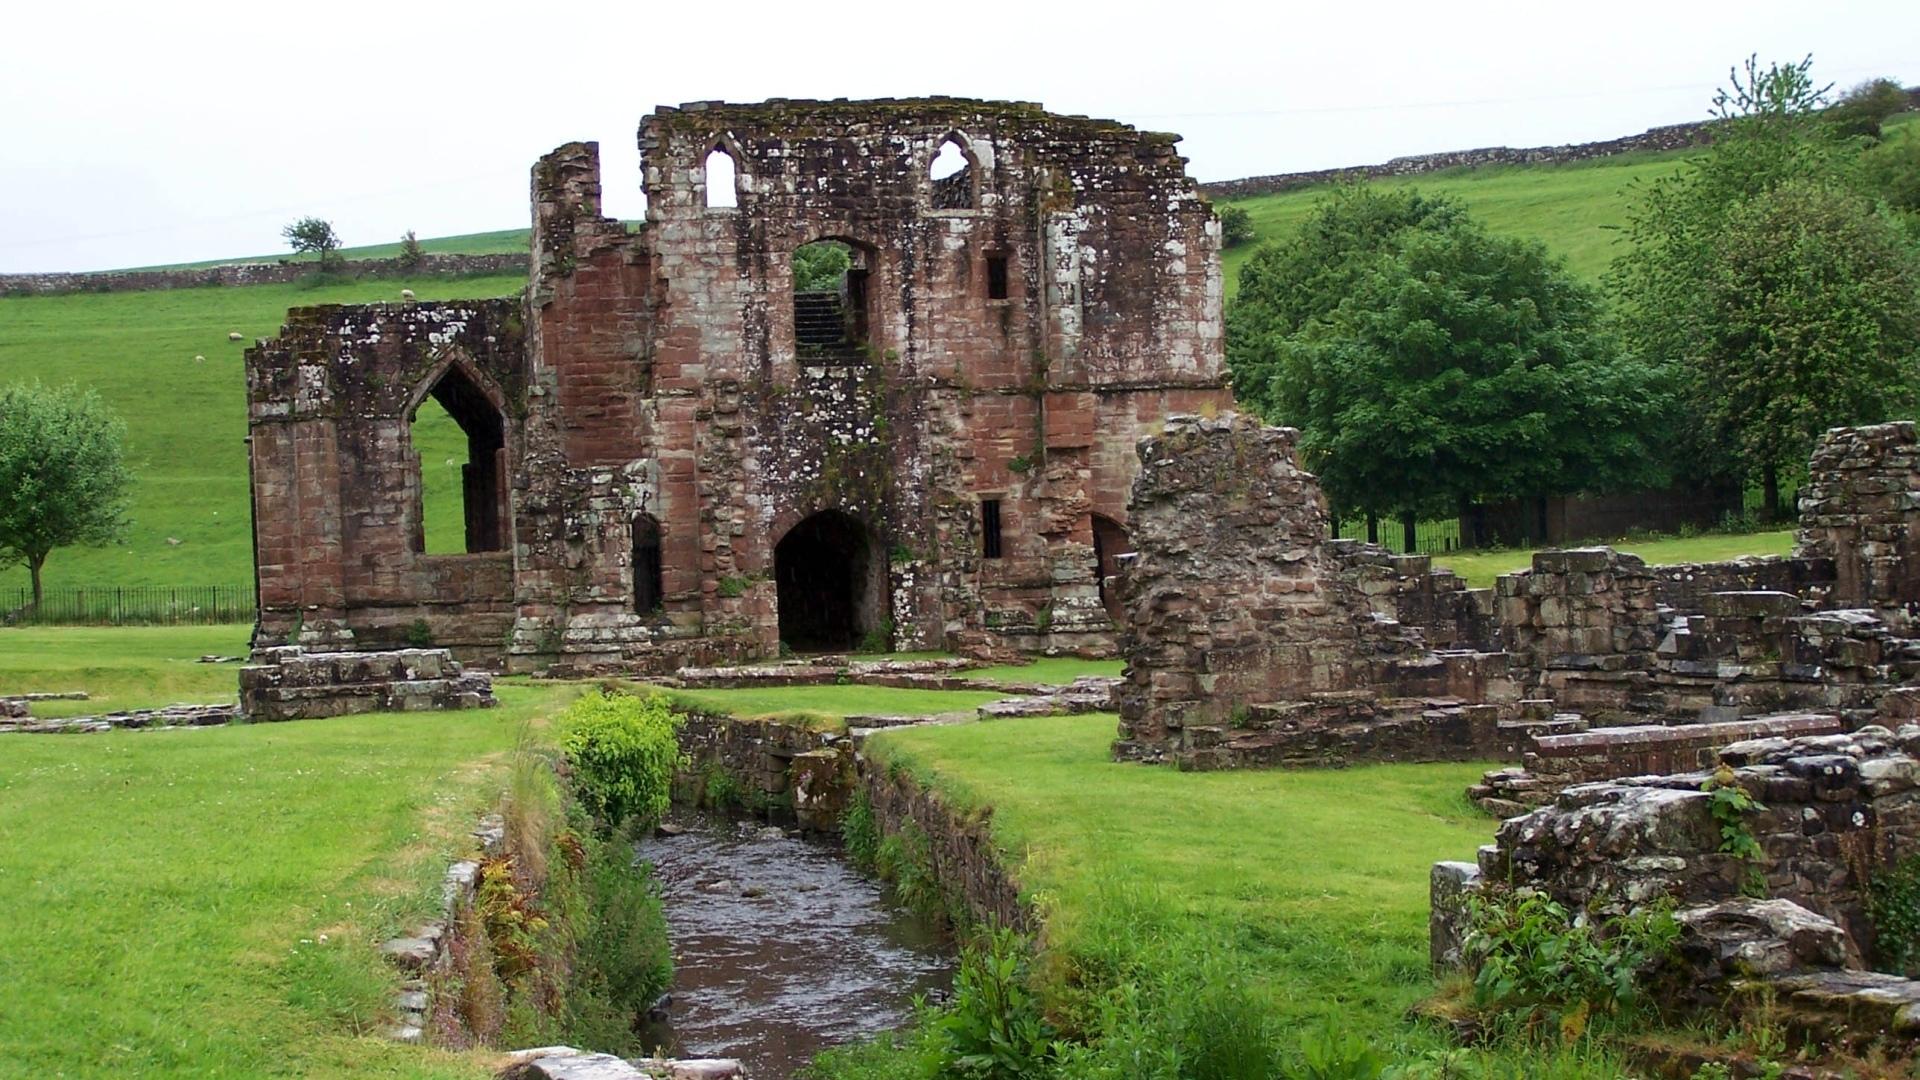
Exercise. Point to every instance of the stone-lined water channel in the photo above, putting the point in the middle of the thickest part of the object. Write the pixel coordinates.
(780, 948)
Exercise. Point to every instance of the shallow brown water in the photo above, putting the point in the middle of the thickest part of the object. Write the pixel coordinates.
(780, 948)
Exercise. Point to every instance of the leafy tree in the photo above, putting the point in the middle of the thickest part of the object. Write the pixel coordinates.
(820, 266)
(1287, 285)
(411, 256)
(62, 480)
(1771, 346)
(1862, 110)
(313, 235)
(1808, 318)
(1892, 172)
(1236, 225)
(1459, 367)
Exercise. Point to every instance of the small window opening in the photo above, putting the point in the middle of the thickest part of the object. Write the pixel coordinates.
(990, 528)
(649, 590)
(830, 303)
(996, 277)
(459, 443)
(953, 177)
(722, 180)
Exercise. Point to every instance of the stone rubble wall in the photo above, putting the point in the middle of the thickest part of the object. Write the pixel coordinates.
(1553, 762)
(1231, 595)
(234, 274)
(1412, 591)
(1837, 808)
(1666, 137)
(1860, 508)
(1670, 137)
(1257, 640)
(289, 683)
(14, 718)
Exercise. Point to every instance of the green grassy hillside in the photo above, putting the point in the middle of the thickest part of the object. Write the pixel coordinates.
(187, 419)
(501, 242)
(1576, 208)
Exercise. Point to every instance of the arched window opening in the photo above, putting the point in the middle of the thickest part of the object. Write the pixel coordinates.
(459, 444)
(722, 180)
(1110, 541)
(830, 302)
(954, 177)
(649, 589)
(831, 579)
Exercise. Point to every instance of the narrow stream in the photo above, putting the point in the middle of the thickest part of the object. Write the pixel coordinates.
(780, 948)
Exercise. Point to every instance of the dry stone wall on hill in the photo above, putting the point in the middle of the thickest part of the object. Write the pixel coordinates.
(261, 273)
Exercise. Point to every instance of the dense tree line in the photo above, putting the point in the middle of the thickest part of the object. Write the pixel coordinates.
(1768, 289)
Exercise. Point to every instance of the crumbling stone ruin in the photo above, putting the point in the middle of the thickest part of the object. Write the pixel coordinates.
(1256, 640)
(289, 683)
(680, 453)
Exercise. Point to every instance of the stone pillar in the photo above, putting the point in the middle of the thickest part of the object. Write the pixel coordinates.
(1231, 598)
(1861, 508)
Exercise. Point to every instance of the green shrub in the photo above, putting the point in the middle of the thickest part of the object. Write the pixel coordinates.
(1236, 225)
(1532, 959)
(1892, 170)
(420, 635)
(993, 1028)
(623, 752)
(1893, 907)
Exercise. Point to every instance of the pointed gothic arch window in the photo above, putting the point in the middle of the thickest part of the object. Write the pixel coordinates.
(461, 502)
(722, 179)
(955, 176)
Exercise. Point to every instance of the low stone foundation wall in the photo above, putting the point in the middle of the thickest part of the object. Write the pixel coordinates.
(1555, 762)
(1836, 807)
(171, 716)
(960, 849)
(289, 683)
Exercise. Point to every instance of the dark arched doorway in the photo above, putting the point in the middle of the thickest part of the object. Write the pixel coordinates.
(1110, 541)
(831, 584)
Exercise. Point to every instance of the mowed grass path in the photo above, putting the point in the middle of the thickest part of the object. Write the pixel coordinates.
(1480, 568)
(209, 903)
(1319, 877)
(186, 420)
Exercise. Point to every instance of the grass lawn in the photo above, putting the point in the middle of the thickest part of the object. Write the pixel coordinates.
(120, 668)
(208, 903)
(1479, 568)
(187, 420)
(1317, 878)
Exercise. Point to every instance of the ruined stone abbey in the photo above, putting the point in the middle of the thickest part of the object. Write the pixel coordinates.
(680, 451)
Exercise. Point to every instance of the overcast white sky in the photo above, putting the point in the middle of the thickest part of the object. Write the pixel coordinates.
(152, 132)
